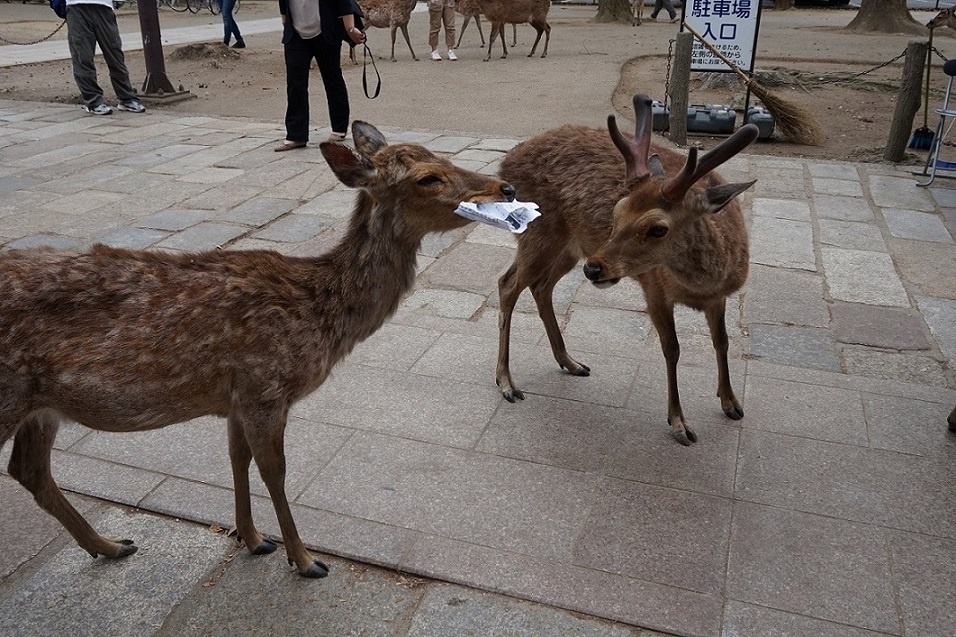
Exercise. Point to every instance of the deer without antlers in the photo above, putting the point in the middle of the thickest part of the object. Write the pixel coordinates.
(391, 14)
(604, 197)
(122, 340)
(469, 9)
(945, 18)
(502, 12)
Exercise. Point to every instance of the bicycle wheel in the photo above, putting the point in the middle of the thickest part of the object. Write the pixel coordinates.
(194, 5)
(177, 5)
(214, 7)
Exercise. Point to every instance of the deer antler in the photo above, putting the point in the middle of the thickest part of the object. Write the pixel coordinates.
(675, 189)
(635, 151)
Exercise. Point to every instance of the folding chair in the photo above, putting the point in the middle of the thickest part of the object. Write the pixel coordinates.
(933, 162)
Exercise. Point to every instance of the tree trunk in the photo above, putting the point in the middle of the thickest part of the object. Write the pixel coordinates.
(885, 16)
(781, 5)
(614, 11)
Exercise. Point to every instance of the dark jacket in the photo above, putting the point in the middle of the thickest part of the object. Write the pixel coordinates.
(330, 13)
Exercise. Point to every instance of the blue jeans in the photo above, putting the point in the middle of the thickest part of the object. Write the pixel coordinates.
(229, 25)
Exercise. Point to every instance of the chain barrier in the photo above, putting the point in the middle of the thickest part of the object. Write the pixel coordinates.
(43, 39)
(667, 78)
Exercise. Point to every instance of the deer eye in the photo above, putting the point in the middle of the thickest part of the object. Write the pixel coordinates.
(429, 180)
(656, 232)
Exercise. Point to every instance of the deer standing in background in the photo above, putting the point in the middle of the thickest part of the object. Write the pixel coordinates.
(637, 12)
(122, 340)
(502, 12)
(651, 217)
(945, 18)
(391, 14)
(469, 9)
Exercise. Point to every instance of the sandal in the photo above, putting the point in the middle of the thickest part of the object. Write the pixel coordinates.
(288, 144)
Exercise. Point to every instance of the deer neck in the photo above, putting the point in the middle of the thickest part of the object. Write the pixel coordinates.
(370, 271)
(710, 256)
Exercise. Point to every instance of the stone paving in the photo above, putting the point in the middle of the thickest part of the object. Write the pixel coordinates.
(830, 509)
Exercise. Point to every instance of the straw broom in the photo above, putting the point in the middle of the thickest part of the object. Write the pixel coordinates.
(794, 122)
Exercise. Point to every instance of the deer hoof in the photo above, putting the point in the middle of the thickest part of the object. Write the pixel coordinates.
(734, 412)
(580, 370)
(264, 547)
(317, 570)
(513, 395)
(686, 437)
(124, 548)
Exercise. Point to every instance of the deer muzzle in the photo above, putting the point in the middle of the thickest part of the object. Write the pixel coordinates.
(595, 273)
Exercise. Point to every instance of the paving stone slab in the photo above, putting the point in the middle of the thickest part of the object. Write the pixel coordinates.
(784, 297)
(852, 235)
(939, 314)
(782, 242)
(879, 326)
(898, 192)
(776, 553)
(129, 597)
(910, 367)
(860, 276)
(746, 619)
(615, 442)
(468, 496)
(912, 224)
(795, 209)
(796, 346)
(924, 564)
(842, 208)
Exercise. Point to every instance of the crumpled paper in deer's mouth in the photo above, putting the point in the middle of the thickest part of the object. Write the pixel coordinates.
(513, 216)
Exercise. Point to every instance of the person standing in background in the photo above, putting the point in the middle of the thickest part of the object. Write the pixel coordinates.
(441, 12)
(666, 5)
(229, 25)
(315, 29)
(88, 23)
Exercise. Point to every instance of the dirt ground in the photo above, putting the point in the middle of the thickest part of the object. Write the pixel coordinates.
(591, 70)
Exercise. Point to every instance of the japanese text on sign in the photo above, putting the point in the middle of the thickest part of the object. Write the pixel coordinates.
(730, 26)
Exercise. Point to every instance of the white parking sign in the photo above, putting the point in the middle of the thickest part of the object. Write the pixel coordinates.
(730, 26)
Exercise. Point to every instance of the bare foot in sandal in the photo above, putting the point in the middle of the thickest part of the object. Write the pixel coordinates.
(288, 144)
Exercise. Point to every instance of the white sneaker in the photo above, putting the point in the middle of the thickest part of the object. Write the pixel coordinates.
(436, 56)
(451, 55)
(99, 109)
(133, 106)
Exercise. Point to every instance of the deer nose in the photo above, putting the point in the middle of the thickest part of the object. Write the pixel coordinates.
(592, 271)
(508, 191)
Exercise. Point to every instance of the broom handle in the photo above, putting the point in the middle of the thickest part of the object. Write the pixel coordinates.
(720, 55)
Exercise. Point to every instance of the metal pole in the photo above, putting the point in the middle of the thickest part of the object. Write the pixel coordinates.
(156, 84)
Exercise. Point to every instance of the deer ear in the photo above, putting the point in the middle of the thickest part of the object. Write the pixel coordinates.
(368, 139)
(655, 166)
(722, 194)
(351, 169)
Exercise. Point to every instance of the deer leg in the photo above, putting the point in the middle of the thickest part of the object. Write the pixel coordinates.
(480, 34)
(264, 433)
(508, 292)
(662, 315)
(504, 46)
(240, 455)
(539, 27)
(461, 33)
(514, 34)
(717, 322)
(491, 39)
(393, 30)
(407, 41)
(537, 38)
(542, 290)
(30, 466)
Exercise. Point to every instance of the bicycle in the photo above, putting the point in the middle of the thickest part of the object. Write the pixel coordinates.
(177, 5)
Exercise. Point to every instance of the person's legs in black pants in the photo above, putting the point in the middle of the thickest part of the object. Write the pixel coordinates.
(329, 58)
(298, 61)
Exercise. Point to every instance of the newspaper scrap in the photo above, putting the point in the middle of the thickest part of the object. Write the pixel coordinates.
(509, 215)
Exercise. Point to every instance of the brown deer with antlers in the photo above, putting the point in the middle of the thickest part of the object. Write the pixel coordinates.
(502, 12)
(122, 340)
(469, 9)
(393, 15)
(604, 197)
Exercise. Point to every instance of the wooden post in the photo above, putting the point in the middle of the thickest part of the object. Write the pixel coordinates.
(907, 101)
(680, 88)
